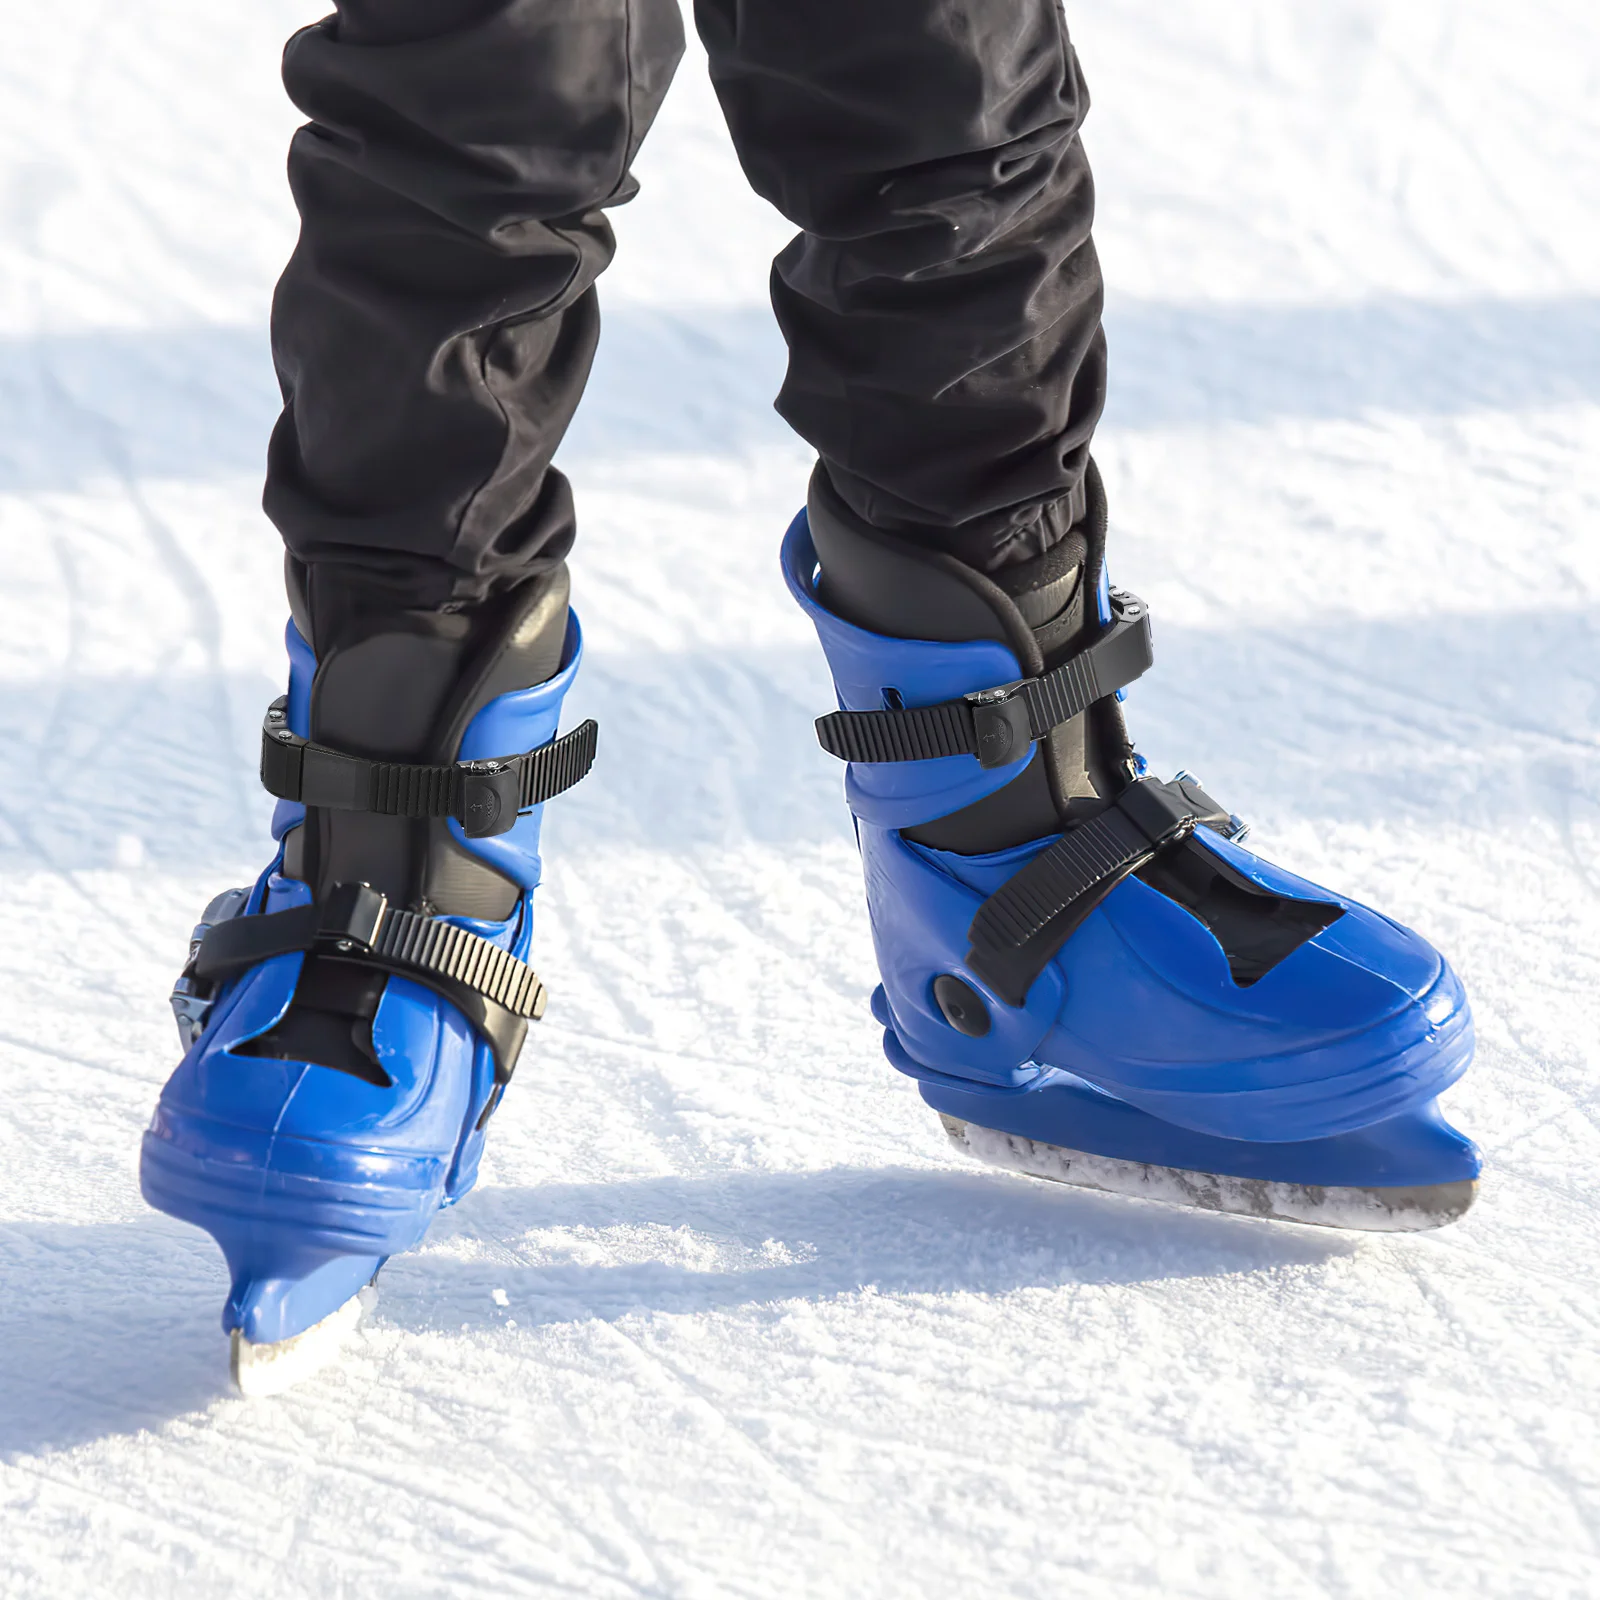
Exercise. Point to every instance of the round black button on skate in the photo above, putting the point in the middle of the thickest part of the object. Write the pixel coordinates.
(962, 1005)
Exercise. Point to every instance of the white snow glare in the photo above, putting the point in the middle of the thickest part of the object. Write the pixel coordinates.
(727, 1316)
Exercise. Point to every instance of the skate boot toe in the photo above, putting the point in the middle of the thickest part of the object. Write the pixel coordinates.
(309, 1177)
(1350, 1027)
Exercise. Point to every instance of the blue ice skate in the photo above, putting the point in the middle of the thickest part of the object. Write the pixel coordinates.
(346, 1042)
(1090, 978)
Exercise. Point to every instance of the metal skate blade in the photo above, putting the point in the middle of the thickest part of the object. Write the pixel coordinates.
(1409, 1210)
(265, 1369)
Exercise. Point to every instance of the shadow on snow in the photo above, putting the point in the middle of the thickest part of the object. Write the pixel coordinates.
(118, 1331)
(193, 401)
(1447, 720)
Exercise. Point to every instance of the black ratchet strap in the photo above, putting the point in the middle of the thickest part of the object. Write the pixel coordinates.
(1056, 890)
(497, 993)
(998, 725)
(483, 796)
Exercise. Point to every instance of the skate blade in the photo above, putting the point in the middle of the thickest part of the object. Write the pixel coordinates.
(267, 1369)
(1405, 1210)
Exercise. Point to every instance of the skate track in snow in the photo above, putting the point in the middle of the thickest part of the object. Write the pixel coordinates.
(727, 1318)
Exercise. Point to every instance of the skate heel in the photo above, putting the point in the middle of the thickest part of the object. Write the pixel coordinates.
(1005, 1081)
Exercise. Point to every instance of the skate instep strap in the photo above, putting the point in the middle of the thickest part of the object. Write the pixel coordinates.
(1063, 883)
(483, 796)
(998, 725)
(498, 993)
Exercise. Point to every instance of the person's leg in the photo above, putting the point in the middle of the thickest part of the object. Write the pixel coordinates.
(351, 1020)
(432, 333)
(942, 309)
(1087, 974)
(436, 323)
(942, 303)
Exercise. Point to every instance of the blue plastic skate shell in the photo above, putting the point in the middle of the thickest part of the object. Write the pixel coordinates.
(1135, 1042)
(309, 1178)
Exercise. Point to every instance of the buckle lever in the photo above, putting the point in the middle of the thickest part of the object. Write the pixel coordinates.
(490, 792)
(350, 916)
(1001, 724)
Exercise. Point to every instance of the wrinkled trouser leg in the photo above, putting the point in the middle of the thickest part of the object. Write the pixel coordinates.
(436, 324)
(942, 303)
(437, 321)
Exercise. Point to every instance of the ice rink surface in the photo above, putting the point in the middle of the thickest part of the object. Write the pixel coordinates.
(726, 1317)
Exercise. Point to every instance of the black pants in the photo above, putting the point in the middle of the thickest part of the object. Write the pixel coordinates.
(436, 324)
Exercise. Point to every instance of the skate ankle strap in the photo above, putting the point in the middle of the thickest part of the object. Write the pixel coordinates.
(483, 796)
(1024, 922)
(998, 725)
(497, 993)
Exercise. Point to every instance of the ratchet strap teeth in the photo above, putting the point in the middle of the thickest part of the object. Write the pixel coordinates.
(498, 993)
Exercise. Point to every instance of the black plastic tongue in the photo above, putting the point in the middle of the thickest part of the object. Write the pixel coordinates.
(1048, 593)
(1088, 756)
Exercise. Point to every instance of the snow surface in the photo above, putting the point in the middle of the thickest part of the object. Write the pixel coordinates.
(727, 1317)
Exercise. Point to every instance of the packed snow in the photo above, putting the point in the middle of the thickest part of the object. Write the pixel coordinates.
(727, 1316)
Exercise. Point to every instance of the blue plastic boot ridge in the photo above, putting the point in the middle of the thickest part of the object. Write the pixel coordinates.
(309, 1178)
(1135, 1042)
